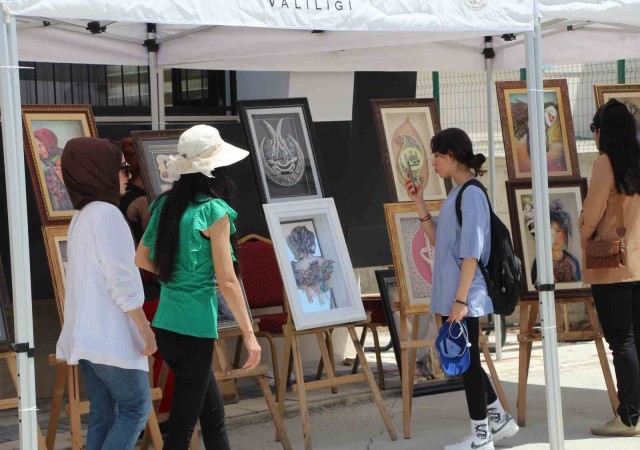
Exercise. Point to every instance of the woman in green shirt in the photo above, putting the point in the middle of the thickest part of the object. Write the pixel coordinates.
(188, 244)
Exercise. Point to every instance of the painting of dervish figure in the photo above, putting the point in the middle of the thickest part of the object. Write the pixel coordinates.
(559, 141)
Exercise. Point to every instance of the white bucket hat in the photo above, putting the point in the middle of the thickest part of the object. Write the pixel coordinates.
(201, 150)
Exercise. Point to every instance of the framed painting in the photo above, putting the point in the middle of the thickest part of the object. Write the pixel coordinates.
(565, 206)
(47, 128)
(629, 94)
(405, 128)
(153, 149)
(562, 154)
(6, 313)
(413, 255)
(225, 316)
(55, 240)
(314, 262)
(284, 149)
(429, 377)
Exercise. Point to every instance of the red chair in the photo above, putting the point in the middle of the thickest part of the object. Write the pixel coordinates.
(263, 284)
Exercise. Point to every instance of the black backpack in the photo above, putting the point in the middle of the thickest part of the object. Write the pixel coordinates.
(503, 274)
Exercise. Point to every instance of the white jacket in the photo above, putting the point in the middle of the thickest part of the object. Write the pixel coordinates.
(102, 284)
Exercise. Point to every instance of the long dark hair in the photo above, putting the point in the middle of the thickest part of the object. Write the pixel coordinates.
(182, 194)
(619, 141)
(456, 142)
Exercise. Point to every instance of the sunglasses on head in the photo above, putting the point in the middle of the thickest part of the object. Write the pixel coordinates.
(126, 167)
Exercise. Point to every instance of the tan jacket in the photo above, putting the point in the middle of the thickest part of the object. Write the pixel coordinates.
(600, 218)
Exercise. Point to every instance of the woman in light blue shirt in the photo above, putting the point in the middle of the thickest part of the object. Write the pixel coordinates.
(459, 289)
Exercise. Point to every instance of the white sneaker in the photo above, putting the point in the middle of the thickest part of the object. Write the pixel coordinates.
(505, 429)
(471, 443)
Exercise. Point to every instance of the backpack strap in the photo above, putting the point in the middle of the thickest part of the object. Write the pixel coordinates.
(471, 182)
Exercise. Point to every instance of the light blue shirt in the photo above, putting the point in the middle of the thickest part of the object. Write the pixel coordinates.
(455, 243)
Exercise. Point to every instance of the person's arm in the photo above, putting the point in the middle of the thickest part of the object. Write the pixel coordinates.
(428, 225)
(467, 273)
(116, 253)
(595, 204)
(138, 211)
(219, 233)
(143, 258)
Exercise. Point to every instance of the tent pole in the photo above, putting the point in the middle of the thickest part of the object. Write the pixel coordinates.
(153, 76)
(543, 235)
(489, 54)
(161, 106)
(18, 230)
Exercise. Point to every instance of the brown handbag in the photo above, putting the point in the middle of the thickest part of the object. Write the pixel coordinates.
(608, 254)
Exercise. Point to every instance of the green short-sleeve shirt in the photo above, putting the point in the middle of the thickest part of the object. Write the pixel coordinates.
(188, 303)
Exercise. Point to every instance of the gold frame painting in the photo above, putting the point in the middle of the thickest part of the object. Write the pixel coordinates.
(629, 94)
(54, 237)
(412, 255)
(562, 154)
(405, 128)
(47, 128)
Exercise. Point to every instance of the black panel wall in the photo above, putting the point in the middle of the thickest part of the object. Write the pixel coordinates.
(364, 180)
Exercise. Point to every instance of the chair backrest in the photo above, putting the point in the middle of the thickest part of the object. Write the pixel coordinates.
(260, 272)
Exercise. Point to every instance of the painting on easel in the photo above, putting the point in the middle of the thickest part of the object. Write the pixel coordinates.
(428, 377)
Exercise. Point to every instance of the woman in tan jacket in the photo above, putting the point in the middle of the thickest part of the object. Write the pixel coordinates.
(613, 201)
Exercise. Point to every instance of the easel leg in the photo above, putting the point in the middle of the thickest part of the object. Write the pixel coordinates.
(273, 409)
(282, 384)
(415, 334)
(527, 320)
(302, 394)
(376, 345)
(56, 404)
(73, 390)
(332, 359)
(602, 355)
(324, 353)
(406, 377)
(363, 338)
(372, 384)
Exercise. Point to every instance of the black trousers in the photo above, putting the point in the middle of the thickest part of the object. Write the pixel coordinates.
(195, 393)
(477, 387)
(618, 307)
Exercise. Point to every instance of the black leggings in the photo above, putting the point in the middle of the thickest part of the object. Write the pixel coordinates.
(195, 393)
(618, 307)
(477, 386)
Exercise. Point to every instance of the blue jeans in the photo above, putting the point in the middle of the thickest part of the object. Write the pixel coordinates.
(120, 405)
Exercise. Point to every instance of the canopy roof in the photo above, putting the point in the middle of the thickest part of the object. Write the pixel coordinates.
(324, 35)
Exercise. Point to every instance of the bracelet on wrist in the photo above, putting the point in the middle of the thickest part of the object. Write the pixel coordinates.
(461, 302)
(425, 218)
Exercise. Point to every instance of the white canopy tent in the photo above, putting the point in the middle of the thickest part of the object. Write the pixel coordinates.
(277, 35)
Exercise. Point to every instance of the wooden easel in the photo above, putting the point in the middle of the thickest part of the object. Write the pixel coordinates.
(224, 372)
(528, 316)
(408, 348)
(292, 352)
(69, 375)
(11, 403)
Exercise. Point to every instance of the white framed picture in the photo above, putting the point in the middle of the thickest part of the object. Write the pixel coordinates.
(314, 262)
